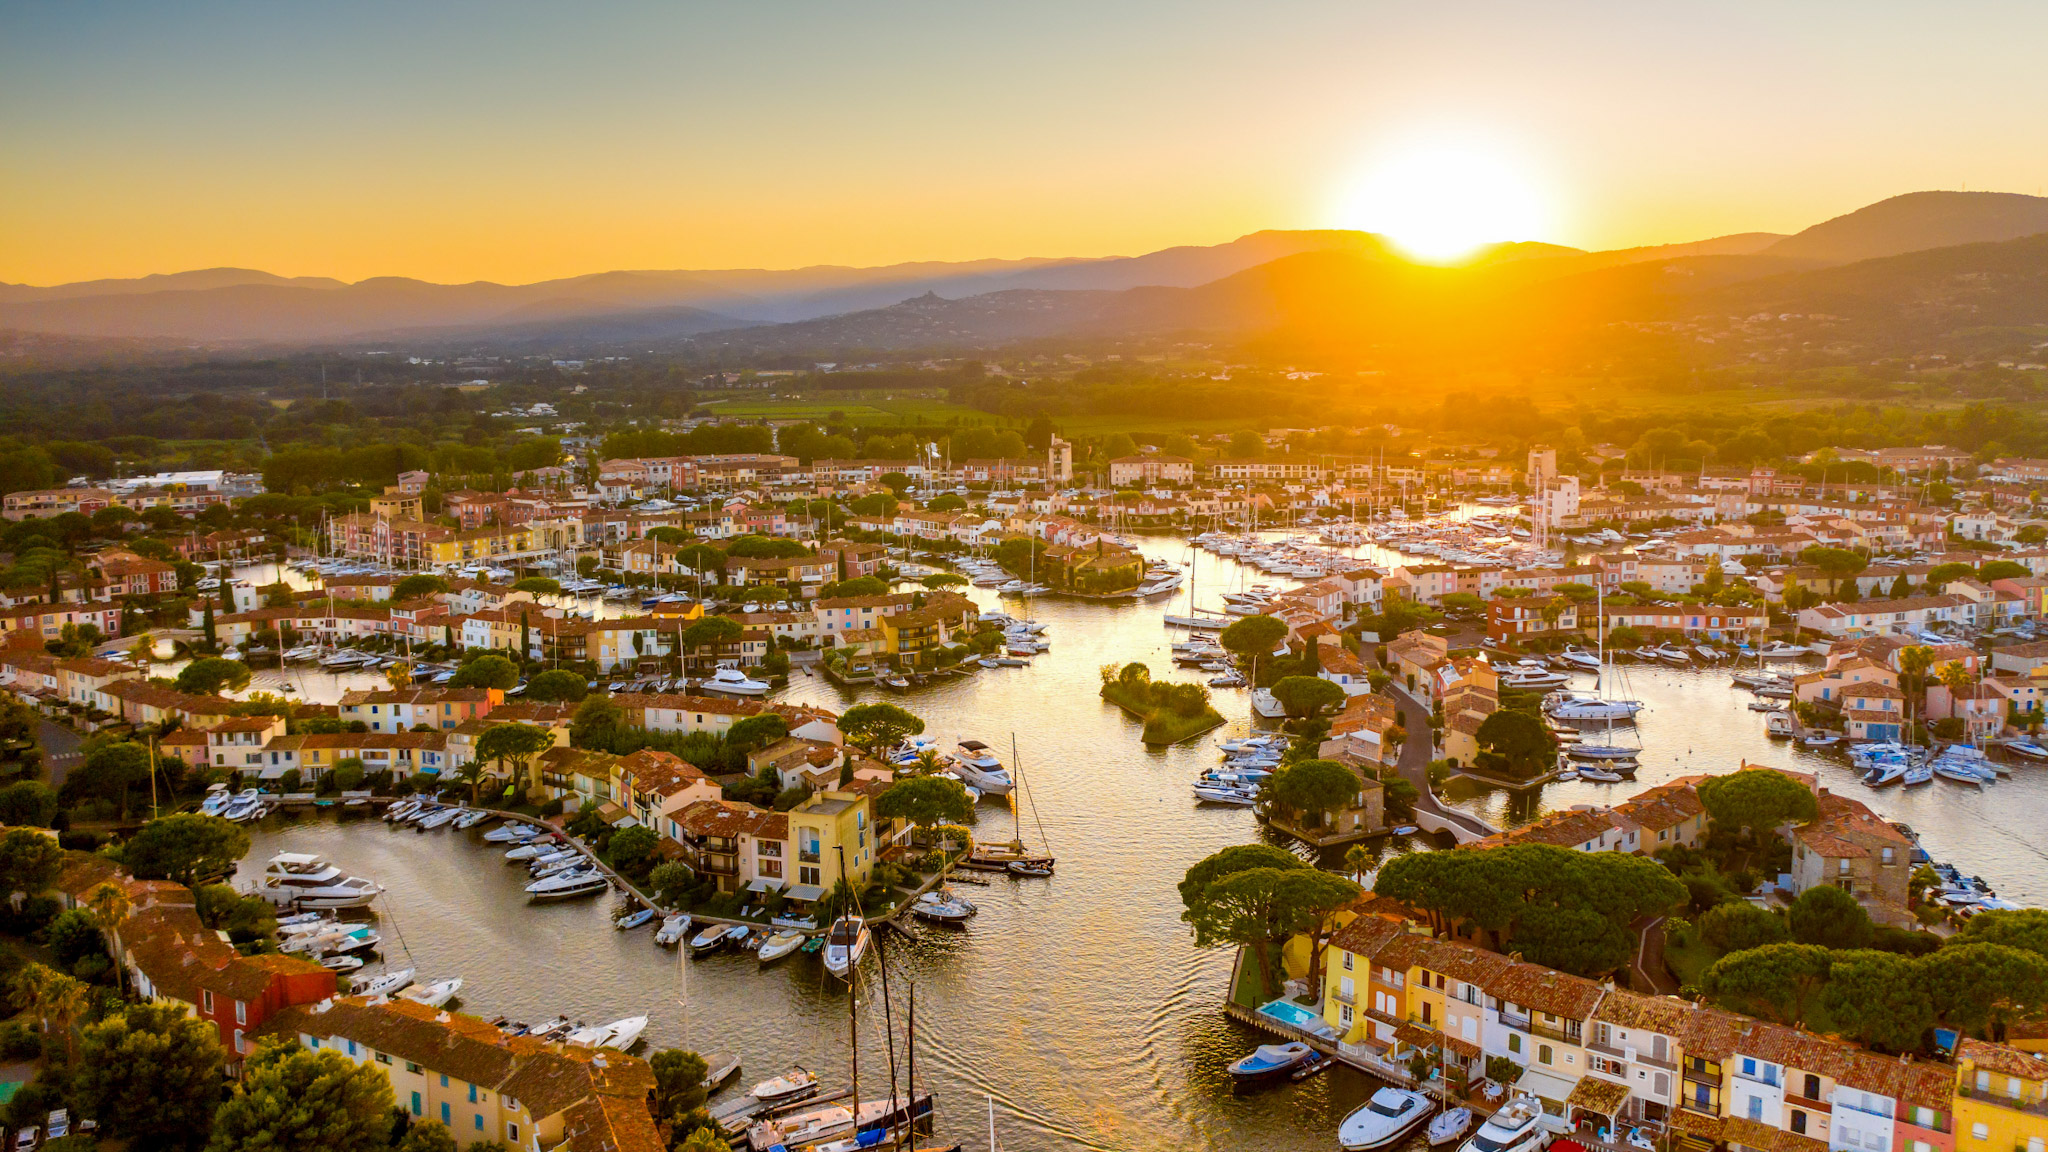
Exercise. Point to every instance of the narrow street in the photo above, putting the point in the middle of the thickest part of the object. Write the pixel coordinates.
(60, 750)
(1415, 757)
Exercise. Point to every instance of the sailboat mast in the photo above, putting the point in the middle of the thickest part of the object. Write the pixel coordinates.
(910, 1063)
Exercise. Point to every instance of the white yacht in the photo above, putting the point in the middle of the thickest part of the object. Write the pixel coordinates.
(1385, 1120)
(977, 766)
(1575, 706)
(436, 994)
(845, 944)
(734, 682)
(1264, 703)
(1518, 1127)
(303, 880)
(563, 885)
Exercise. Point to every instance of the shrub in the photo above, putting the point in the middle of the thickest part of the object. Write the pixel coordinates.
(74, 935)
(19, 1042)
(80, 841)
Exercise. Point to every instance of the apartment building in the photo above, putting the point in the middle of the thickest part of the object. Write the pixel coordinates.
(482, 1084)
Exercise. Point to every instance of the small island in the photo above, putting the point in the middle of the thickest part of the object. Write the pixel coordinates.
(1171, 712)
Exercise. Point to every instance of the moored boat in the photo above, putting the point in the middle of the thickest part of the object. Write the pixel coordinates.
(1385, 1120)
(1270, 1060)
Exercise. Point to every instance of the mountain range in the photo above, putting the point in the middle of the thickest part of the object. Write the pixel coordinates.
(1914, 265)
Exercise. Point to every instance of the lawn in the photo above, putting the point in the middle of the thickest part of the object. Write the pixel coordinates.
(1689, 961)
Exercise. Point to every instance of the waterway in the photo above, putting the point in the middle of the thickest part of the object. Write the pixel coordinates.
(1077, 1004)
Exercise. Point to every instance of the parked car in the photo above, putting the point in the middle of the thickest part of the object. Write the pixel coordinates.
(60, 1123)
(26, 1138)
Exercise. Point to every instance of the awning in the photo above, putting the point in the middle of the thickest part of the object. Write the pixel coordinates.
(1597, 1095)
(1695, 1124)
(805, 892)
(763, 884)
(271, 772)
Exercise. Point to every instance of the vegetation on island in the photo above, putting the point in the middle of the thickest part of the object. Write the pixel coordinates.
(1171, 711)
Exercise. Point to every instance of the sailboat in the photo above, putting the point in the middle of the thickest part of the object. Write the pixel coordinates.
(1619, 758)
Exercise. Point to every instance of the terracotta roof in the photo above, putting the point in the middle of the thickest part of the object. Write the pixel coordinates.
(1648, 1013)
(1546, 990)
(1366, 935)
(1602, 1096)
(1665, 806)
(2003, 1060)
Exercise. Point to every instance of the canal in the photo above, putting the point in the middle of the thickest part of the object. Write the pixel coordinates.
(1077, 1005)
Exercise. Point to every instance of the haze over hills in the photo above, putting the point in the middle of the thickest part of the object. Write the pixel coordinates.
(1906, 260)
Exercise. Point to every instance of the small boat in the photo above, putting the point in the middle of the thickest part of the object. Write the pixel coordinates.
(721, 1069)
(342, 963)
(470, 818)
(779, 945)
(1599, 775)
(1517, 1127)
(632, 920)
(1226, 794)
(2027, 748)
(387, 984)
(1030, 868)
(710, 940)
(942, 909)
(1765, 706)
(1448, 1126)
(672, 929)
(1270, 1060)
(845, 943)
(1778, 724)
(1385, 1120)
(1885, 773)
(1820, 740)
(434, 995)
(533, 850)
(1918, 774)
(791, 1083)
(403, 810)
(1779, 650)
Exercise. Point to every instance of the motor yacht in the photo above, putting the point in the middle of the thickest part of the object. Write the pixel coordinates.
(1384, 1121)
(564, 885)
(1779, 724)
(1518, 1127)
(1575, 707)
(673, 927)
(733, 682)
(1265, 704)
(303, 880)
(386, 984)
(1580, 659)
(434, 995)
(1779, 650)
(978, 767)
(845, 944)
(1270, 1060)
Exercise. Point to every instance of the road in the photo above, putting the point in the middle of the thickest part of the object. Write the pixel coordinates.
(1415, 758)
(60, 750)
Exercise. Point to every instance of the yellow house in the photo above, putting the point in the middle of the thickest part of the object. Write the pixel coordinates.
(482, 1084)
(2001, 1099)
(819, 829)
(477, 544)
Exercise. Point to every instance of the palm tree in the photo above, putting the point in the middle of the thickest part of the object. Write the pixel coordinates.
(56, 998)
(472, 774)
(111, 905)
(1914, 662)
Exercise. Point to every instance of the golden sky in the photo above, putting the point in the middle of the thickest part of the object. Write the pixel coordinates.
(518, 142)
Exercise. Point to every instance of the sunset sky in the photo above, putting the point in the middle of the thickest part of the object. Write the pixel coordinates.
(517, 142)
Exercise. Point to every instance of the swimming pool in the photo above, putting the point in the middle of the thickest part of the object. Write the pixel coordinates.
(1292, 1014)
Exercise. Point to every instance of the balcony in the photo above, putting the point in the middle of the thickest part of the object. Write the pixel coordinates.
(2002, 1100)
(1342, 997)
(810, 857)
(1854, 1103)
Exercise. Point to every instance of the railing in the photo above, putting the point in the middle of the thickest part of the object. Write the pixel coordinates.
(2005, 1100)
(807, 857)
(1343, 997)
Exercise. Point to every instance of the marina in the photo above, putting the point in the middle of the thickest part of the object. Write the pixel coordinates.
(1152, 1049)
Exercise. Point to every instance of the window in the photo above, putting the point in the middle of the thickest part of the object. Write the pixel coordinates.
(1756, 1107)
(1924, 1117)
(1347, 961)
(1980, 1131)
(207, 998)
(1798, 1121)
(1812, 1091)
(351, 1047)
(383, 1059)
(415, 1103)
(1543, 1054)
(241, 1012)
(512, 1133)
(444, 1079)
(472, 1093)
(1662, 1083)
(1514, 1043)
(446, 1112)
(479, 1121)
(238, 1039)
(1344, 1015)
(413, 1068)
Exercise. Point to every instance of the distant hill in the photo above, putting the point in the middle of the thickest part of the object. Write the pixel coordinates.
(1915, 222)
(161, 282)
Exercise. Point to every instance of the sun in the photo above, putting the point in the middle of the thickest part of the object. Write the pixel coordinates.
(1441, 201)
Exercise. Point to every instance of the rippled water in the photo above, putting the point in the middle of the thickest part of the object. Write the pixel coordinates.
(1077, 1004)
